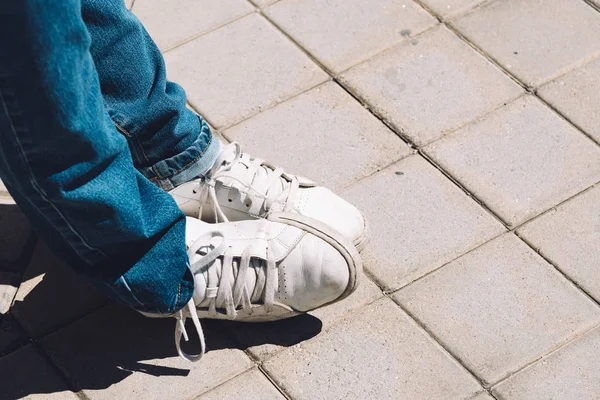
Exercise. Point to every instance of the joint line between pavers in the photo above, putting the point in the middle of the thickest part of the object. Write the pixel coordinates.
(274, 383)
(267, 6)
(421, 325)
(488, 57)
(457, 183)
(59, 372)
(559, 347)
(297, 44)
(557, 268)
(462, 13)
(565, 118)
(489, 385)
(414, 281)
(378, 169)
(68, 322)
(530, 89)
(410, 142)
(271, 106)
(593, 5)
(511, 230)
(223, 382)
(555, 206)
(206, 32)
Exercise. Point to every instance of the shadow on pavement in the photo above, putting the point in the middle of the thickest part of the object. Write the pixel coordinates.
(102, 349)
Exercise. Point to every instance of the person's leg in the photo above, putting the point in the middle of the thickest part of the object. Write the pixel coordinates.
(71, 172)
(167, 140)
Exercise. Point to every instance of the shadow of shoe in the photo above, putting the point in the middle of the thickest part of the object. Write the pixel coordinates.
(99, 345)
(283, 333)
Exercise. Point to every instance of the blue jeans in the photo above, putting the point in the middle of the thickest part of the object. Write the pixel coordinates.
(91, 136)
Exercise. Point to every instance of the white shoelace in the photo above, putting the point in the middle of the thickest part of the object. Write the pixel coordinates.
(230, 289)
(257, 189)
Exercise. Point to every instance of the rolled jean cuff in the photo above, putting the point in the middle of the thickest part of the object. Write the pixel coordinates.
(192, 162)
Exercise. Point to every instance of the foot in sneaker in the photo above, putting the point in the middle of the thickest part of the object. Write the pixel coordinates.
(240, 187)
(264, 270)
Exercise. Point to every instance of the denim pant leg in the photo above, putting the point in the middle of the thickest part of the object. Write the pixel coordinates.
(169, 143)
(71, 171)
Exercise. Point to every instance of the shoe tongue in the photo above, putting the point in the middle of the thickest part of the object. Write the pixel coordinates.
(260, 179)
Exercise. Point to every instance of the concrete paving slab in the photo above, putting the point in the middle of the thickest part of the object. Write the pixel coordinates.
(12, 336)
(576, 96)
(451, 8)
(185, 19)
(342, 33)
(250, 385)
(241, 69)
(378, 352)
(568, 236)
(430, 86)
(25, 374)
(571, 373)
(51, 295)
(322, 127)
(9, 284)
(520, 160)
(521, 33)
(419, 221)
(499, 307)
(118, 353)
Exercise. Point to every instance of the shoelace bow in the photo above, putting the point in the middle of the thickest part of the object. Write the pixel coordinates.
(206, 186)
(229, 290)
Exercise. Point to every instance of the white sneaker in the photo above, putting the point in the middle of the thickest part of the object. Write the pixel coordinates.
(264, 270)
(241, 187)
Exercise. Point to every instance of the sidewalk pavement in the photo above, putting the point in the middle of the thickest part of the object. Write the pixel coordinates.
(469, 133)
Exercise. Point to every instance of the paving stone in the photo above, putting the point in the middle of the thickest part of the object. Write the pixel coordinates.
(265, 340)
(451, 8)
(134, 357)
(378, 352)
(576, 96)
(562, 33)
(343, 136)
(419, 221)
(51, 295)
(569, 236)
(184, 19)
(15, 234)
(5, 197)
(483, 396)
(263, 3)
(250, 385)
(431, 86)
(499, 307)
(12, 335)
(26, 374)
(9, 284)
(342, 33)
(520, 160)
(571, 373)
(240, 69)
